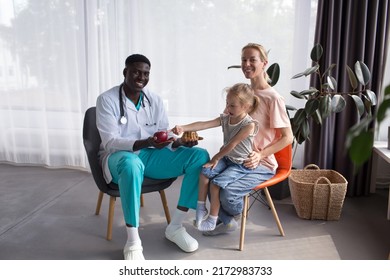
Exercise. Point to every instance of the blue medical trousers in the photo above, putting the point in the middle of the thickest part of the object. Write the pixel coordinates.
(128, 170)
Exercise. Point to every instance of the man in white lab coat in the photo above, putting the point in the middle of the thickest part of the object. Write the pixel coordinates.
(128, 115)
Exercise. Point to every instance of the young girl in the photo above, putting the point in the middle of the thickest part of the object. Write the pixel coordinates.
(226, 166)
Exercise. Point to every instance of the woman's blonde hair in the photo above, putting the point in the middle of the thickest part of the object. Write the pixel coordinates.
(263, 55)
(245, 94)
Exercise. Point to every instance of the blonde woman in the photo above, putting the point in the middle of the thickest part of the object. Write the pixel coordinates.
(275, 134)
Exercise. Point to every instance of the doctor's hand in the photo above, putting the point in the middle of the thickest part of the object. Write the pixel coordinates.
(179, 142)
(159, 145)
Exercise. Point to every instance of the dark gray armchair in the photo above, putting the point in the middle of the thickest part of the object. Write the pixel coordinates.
(92, 140)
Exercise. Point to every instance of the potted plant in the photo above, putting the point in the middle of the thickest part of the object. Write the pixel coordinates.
(360, 137)
(325, 99)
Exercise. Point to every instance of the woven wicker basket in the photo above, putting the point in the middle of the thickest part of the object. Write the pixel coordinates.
(317, 194)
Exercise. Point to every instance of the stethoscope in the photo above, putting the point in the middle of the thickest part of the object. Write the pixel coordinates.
(123, 119)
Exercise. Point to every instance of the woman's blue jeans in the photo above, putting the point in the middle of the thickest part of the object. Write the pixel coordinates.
(235, 181)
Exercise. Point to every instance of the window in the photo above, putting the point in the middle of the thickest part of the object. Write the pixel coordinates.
(65, 53)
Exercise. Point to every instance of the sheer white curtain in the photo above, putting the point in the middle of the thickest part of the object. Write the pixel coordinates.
(57, 56)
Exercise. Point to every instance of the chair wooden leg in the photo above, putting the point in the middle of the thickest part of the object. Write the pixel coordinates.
(142, 200)
(99, 203)
(271, 204)
(165, 206)
(111, 209)
(243, 222)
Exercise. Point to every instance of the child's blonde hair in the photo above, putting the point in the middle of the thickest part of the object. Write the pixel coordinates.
(263, 55)
(245, 95)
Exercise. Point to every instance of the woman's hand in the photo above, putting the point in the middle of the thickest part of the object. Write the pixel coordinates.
(253, 160)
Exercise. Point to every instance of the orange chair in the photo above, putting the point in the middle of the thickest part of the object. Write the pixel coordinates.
(284, 159)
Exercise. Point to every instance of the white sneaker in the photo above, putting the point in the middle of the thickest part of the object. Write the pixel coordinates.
(221, 228)
(133, 252)
(182, 239)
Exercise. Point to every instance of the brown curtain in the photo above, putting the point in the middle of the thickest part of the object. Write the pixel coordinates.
(348, 30)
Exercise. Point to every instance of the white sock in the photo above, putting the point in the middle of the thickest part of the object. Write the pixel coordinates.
(177, 220)
(132, 236)
(208, 224)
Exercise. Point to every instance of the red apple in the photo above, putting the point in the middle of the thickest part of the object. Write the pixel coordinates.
(161, 136)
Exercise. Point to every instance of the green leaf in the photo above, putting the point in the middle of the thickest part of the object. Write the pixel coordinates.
(332, 82)
(301, 132)
(338, 103)
(325, 86)
(362, 73)
(329, 69)
(305, 131)
(300, 139)
(297, 94)
(273, 72)
(360, 126)
(359, 104)
(234, 66)
(295, 128)
(325, 105)
(311, 106)
(357, 129)
(317, 117)
(370, 95)
(383, 107)
(316, 52)
(299, 117)
(361, 147)
(311, 70)
(387, 90)
(290, 108)
(309, 91)
(298, 75)
(352, 78)
(367, 106)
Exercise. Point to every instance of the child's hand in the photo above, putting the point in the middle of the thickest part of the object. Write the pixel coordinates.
(211, 164)
(177, 130)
